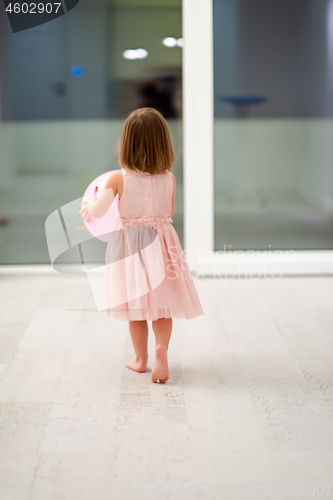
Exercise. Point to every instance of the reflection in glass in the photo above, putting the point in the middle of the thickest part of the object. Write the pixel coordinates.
(66, 89)
(273, 125)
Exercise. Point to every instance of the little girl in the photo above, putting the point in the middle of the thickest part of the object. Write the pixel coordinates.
(151, 281)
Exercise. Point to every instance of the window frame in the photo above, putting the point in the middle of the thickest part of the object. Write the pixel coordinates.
(198, 170)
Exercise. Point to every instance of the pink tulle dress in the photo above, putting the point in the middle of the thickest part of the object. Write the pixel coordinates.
(147, 276)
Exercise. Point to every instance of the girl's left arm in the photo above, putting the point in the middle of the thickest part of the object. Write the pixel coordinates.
(98, 207)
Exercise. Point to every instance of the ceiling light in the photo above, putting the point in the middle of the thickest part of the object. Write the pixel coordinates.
(141, 53)
(169, 41)
(132, 54)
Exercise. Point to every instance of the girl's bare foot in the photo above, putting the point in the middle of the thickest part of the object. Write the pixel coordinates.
(160, 371)
(138, 365)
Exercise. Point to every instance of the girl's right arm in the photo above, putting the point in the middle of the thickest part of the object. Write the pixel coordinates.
(98, 207)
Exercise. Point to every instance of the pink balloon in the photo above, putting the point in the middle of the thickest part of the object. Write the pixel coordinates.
(101, 228)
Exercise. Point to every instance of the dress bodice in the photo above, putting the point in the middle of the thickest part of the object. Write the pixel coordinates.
(146, 195)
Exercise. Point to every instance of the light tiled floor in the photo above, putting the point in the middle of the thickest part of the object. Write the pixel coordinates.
(248, 408)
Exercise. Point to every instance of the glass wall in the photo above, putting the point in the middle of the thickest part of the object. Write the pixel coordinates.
(66, 88)
(273, 124)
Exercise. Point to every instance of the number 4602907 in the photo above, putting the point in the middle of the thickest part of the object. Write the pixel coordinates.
(33, 8)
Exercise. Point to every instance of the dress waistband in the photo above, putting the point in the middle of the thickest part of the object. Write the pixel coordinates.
(146, 221)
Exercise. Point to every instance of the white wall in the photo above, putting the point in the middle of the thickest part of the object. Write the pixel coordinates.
(275, 156)
(315, 167)
(284, 155)
(79, 149)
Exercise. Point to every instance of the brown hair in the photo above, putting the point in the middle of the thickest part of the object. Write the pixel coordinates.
(146, 143)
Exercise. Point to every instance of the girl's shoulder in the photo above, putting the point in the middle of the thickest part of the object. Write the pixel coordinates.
(114, 181)
(114, 176)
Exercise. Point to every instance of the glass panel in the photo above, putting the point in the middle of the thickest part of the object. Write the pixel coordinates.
(273, 124)
(66, 88)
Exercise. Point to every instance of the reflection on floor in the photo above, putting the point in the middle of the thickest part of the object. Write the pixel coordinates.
(268, 220)
(248, 408)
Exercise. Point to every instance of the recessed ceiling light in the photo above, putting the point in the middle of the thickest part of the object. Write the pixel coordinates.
(132, 54)
(169, 41)
(141, 53)
(180, 42)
